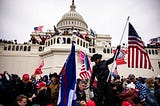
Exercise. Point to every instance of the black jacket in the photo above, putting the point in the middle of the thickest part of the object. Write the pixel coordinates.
(101, 71)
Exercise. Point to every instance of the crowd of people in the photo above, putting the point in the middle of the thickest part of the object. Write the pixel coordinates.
(99, 90)
(30, 91)
(41, 39)
(8, 41)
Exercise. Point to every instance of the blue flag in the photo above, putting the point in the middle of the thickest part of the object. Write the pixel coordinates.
(86, 62)
(92, 33)
(67, 93)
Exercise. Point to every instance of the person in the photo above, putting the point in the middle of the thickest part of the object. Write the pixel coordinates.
(27, 88)
(102, 73)
(43, 39)
(80, 92)
(6, 77)
(43, 96)
(54, 87)
(150, 98)
(45, 79)
(21, 100)
(140, 87)
(157, 89)
(129, 95)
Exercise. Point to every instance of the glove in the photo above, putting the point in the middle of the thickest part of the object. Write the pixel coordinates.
(118, 51)
(118, 47)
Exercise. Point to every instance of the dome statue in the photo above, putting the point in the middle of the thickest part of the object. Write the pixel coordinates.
(72, 20)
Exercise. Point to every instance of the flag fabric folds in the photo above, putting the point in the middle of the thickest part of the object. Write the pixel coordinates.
(120, 58)
(137, 55)
(67, 93)
(39, 68)
(92, 33)
(38, 29)
(85, 69)
(155, 41)
(81, 56)
(56, 31)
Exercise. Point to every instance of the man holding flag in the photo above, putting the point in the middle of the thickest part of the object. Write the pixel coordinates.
(101, 72)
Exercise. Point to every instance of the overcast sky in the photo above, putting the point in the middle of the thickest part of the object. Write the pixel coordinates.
(19, 17)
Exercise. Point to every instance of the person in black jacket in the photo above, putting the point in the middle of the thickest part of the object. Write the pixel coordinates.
(81, 95)
(102, 73)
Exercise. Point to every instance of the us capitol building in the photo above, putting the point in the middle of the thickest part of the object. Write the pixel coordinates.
(25, 58)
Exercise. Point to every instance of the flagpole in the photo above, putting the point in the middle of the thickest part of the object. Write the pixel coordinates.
(116, 50)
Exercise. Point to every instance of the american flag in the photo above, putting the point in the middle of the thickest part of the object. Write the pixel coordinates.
(38, 29)
(85, 69)
(137, 55)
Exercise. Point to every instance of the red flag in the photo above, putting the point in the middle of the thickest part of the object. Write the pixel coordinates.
(39, 68)
(120, 58)
(137, 55)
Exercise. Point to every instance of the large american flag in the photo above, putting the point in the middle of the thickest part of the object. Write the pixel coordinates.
(137, 55)
(85, 69)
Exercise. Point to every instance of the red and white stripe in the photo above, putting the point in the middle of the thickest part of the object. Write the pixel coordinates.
(137, 55)
(85, 74)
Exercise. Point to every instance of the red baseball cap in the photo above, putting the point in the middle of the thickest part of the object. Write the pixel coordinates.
(41, 84)
(25, 77)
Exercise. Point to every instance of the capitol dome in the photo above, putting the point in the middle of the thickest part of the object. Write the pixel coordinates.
(72, 19)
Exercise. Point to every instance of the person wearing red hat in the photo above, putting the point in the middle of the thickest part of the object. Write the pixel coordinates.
(25, 77)
(26, 87)
(43, 96)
